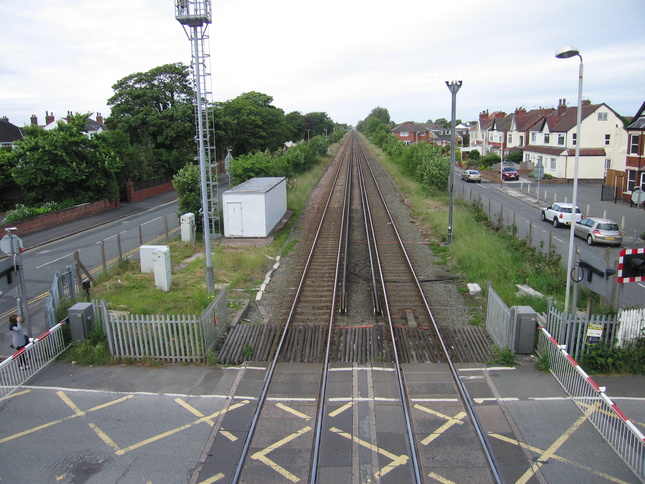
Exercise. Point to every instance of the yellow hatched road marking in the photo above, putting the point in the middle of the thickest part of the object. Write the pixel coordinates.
(340, 410)
(206, 418)
(443, 480)
(78, 413)
(293, 411)
(397, 460)
(215, 478)
(262, 455)
(17, 394)
(537, 450)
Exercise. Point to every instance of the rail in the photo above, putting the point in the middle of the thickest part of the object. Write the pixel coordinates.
(613, 425)
(26, 362)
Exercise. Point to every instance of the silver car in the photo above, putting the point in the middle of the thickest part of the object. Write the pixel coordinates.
(471, 176)
(599, 231)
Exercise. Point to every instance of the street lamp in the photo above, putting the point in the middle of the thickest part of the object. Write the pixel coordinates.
(454, 87)
(565, 53)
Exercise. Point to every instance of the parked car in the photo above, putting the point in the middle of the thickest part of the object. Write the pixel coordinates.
(560, 214)
(471, 176)
(599, 231)
(510, 173)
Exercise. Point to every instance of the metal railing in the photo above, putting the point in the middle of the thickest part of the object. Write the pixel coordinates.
(613, 425)
(498, 320)
(175, 338)
(26, 362)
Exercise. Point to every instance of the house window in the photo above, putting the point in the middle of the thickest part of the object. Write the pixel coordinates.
(404, 134)
(547, 138)
(633, 144)
(561, 139)
(510, 138)
(607, 139)
(602, 116)
(607, 164)
(522, 140)
(635, 179)
(527, 157)
(574, 137)
(533, 137)
(553, 164)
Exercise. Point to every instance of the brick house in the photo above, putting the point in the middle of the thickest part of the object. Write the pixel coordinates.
(634, 174)
(411, 133)
(548, 135)
(9, 133)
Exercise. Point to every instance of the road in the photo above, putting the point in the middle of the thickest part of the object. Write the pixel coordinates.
(512, 203)
(94, 245)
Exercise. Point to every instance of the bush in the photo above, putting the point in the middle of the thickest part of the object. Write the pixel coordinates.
(474, 155)
(22, 212)
(604, 358)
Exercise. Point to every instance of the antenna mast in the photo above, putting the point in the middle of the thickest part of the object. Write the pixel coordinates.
(195, 16)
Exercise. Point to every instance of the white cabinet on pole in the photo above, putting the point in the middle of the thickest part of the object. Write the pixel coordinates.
(145, 256)
(188, 227)
(161, 268)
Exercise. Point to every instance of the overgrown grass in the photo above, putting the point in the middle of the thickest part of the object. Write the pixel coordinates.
(480, 250)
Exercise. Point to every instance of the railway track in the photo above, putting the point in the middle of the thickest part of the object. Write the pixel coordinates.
(357, 262)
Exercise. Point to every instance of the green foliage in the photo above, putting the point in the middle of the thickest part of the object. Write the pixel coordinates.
(605, 358)
(91, 351)
(488, 160)
(63, 164)
(543, 363)
(504, 357)
(155, 110)
(474, 155)
(22, 212)
(514, 156)
(432, 167)
(187, 186)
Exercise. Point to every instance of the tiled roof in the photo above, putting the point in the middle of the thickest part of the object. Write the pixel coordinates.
(639, 120)
(9, 132)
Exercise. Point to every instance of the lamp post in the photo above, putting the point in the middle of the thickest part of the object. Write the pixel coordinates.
(565, 53)
(454, 87)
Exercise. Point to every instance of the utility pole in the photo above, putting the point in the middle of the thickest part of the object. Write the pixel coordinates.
(454, 87)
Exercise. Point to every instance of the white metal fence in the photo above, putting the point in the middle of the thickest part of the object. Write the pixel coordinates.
(573, 331)
(28, 361)
(63, 288)
(171, 338)
(632, 325)
(498, 320)
(613, 425)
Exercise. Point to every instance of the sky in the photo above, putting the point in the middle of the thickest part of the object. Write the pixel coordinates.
(342, 57)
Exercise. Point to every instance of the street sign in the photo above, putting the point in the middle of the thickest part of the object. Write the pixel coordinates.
(538, 172)
(6, 245)
(8, 276)
(638, 196)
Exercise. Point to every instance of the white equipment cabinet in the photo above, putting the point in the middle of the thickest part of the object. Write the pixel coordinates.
(255, 207)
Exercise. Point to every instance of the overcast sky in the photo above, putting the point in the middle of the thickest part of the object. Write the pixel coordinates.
(342, 57)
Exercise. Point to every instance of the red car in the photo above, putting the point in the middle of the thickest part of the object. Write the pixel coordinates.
(510, 173)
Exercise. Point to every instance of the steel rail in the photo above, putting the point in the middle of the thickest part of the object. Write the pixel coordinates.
(271, 370)
(416, 466)
(455, 375)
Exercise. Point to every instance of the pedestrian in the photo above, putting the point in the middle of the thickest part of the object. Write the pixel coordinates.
(19, 340)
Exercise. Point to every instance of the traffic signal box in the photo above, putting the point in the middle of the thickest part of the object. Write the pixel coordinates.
(631, 265)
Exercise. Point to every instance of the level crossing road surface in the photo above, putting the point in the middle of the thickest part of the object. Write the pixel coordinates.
(138, 424)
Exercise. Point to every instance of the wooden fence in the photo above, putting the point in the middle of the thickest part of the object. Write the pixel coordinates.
(170, 338)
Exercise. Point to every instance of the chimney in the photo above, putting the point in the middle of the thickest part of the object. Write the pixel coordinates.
(49, 118)
(99, 118)
(500, 114)
(483, 116)
(586, 102)
(34, 120)
(4, 118)
(562, 106)
(520, 111)
(69, 116)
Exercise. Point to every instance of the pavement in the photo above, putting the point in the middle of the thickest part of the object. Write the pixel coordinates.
(540, 412)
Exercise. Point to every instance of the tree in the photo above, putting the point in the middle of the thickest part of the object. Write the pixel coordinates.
(64, 164)
(255, 123)
(297, 125)
(188, 188)
(317, 123)
(155, 109)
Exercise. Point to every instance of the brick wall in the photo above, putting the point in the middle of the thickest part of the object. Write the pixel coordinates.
(135, 196)
(56, 218)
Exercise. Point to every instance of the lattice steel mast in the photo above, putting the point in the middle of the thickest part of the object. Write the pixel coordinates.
(195, 16)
